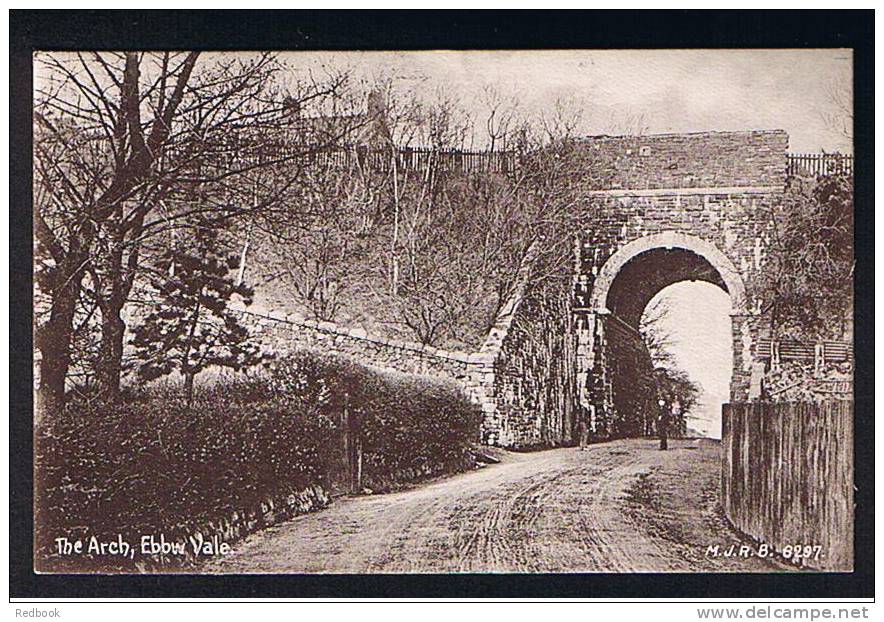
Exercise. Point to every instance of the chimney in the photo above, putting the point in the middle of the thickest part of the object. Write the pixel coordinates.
(376, 111)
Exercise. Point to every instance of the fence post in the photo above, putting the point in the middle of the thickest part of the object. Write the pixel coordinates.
(774, 355)
(354, 451)
(819, 358)
(358, 462)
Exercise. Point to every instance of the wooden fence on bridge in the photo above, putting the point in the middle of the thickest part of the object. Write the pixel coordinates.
(835, 351)
(787, 478)
(818, 164)
(405, 159)
(477, 161)
(450, 160)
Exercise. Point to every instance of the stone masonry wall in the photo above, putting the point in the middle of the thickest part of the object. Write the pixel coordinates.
(526, 368)
(533, 390)
(282, 333)
(714, 187)
(706, 159)
(730, 222)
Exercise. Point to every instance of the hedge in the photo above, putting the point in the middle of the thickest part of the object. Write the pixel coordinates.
(245, 454)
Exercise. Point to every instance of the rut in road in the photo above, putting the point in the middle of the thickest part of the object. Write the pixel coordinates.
(558, 510)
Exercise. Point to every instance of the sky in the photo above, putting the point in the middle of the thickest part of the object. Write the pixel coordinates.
(699, 325)
(667, 90)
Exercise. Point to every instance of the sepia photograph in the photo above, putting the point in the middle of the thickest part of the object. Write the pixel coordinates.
(443, 311)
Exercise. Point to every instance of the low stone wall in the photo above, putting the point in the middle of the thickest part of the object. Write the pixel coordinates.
(476, 372)
(279, 333)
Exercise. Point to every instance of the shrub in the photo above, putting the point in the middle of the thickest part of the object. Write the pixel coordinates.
(408, 427)
(152, 465)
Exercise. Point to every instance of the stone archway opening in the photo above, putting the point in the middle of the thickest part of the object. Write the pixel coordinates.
(647, 256)
(687, 328)
(647, 273)
(621, 383)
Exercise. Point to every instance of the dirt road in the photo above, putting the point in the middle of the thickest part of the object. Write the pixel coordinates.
(619, 507)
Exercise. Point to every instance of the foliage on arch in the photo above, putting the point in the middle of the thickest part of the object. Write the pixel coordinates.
(805, 288)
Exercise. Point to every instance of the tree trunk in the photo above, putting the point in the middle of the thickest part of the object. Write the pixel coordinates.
(188, 371)
(111, 353)
(54, 338)
(394, 243)
(119, 276)
(188, 387)
(111, 302)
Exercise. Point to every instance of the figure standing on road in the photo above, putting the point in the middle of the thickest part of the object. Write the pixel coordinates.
(582, 432)
(664, 407)
(675, 415)
(663, 424)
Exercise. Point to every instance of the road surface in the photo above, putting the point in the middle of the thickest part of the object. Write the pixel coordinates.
(622, 506)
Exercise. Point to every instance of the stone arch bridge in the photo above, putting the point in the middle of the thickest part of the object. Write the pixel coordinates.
(677, 207)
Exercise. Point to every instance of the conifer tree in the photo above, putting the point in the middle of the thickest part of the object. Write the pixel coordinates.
(191, 326)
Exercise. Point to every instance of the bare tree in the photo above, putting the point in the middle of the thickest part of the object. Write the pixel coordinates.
(128, 147)
(628, 124)
(838, 117)
(657, 338)
(413, 242)
(319, 255)
(465, 237)
(501, 118)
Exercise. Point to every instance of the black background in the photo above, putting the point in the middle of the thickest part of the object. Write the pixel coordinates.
(413, 30)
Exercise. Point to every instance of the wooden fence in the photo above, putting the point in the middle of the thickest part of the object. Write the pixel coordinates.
(787, 478)
(407, 159)
(478, 161)
(452, 160)
(818, 164)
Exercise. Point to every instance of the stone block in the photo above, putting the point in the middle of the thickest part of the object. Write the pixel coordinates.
(461, 357)
(482, 358)
(359, 333)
